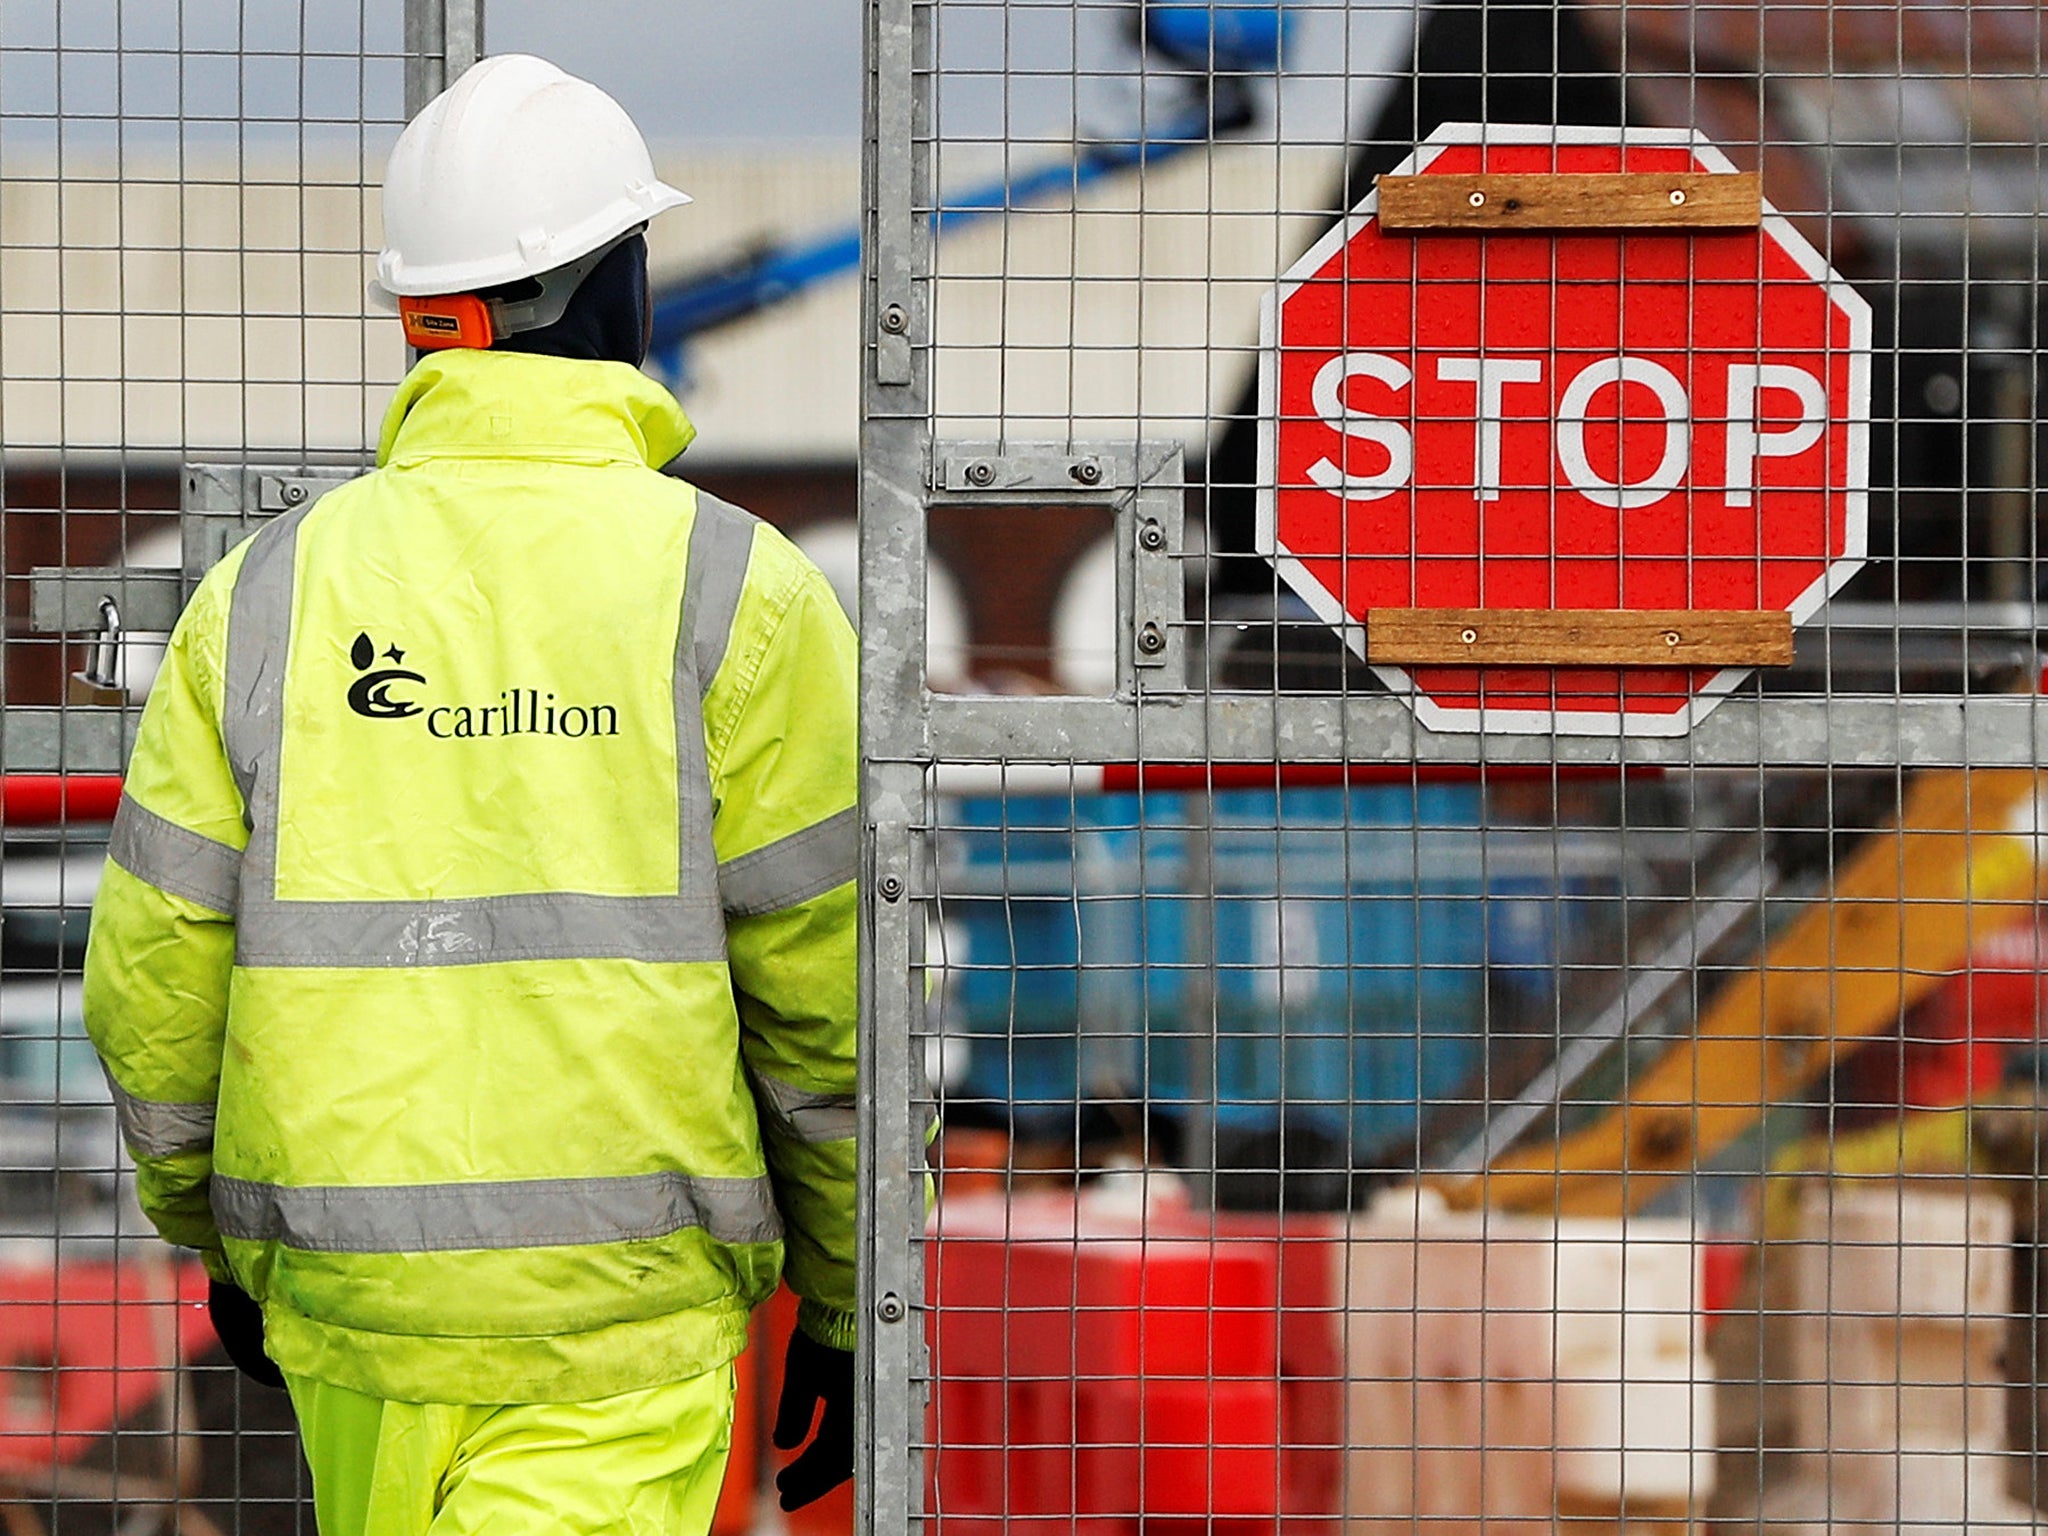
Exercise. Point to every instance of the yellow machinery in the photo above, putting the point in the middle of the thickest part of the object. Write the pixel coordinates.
(1902, 914)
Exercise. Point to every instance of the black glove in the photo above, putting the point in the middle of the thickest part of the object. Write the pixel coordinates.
(238, 1324)
(814, 1373)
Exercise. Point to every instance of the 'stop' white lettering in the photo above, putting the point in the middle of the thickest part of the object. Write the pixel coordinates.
(1748, 438)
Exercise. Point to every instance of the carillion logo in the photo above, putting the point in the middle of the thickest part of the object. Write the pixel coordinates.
(370, 695)
(518, 712)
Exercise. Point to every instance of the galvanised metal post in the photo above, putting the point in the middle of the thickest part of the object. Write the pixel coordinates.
(894, 435)
(442, 39)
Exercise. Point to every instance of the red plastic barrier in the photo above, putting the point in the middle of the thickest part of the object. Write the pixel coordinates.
(1098, 1370)
(88, 1345)
(1309, 1255)
(44, 799)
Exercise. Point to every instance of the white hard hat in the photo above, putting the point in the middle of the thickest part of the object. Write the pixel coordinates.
(514, 170)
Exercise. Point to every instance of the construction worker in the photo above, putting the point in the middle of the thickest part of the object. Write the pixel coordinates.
(474, 965)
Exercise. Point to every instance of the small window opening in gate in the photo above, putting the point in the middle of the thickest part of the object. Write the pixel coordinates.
(1040, 585)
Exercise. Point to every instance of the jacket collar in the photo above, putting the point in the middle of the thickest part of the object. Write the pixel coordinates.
(463, 403)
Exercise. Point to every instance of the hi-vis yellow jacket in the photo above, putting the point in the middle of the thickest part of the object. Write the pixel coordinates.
(475, 962)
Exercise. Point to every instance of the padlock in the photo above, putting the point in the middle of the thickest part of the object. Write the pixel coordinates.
(98, 684)
(86, 689)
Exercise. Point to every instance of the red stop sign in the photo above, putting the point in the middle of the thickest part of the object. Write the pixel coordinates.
(1650, 420)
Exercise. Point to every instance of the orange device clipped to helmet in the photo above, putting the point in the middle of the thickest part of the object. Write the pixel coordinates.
(446, 320)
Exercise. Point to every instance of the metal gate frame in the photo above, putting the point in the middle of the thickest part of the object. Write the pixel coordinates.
(906, 730)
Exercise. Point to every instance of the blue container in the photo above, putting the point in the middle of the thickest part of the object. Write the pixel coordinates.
(1348, 983)
(1012, 952)
(1325, 952)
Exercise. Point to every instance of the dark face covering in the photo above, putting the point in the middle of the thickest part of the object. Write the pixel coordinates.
(607, 317)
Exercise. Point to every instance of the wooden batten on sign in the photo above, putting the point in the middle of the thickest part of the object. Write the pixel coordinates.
(1478, 204)
(1578, 637)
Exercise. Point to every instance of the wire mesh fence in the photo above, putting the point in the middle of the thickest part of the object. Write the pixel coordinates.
(1453, 813)
(185, 204)
(1476, 964)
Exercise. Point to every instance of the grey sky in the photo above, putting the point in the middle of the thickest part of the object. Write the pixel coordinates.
(324, 73)
(143, 70)
(699, 71)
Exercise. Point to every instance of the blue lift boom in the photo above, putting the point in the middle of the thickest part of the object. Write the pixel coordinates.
(1216, 47)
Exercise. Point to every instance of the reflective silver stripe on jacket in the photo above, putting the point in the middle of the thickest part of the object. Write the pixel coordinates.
(793, 869)
(721, 545)
(684, 927)
(525, 1213)
(153, 1128)
(808, 1116)
(204, 871)
(252, 706)
(560, 925)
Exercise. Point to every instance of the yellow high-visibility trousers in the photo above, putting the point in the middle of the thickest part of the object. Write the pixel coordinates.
(640, 1464)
